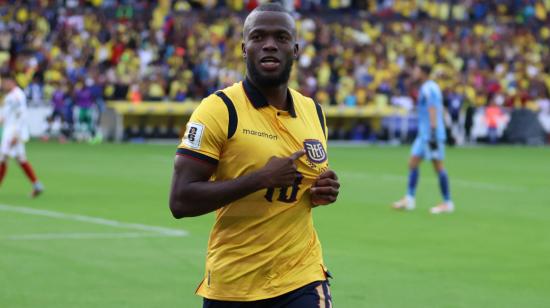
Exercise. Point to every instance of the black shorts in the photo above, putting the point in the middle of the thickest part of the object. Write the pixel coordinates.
(313, 295)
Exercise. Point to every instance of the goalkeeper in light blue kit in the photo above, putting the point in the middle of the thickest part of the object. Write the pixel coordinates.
(429, 143)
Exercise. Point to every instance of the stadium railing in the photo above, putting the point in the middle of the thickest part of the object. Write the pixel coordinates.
(120, 114)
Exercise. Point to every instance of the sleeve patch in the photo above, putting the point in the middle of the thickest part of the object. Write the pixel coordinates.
(193, 135)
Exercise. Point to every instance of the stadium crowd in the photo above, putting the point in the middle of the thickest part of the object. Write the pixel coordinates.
(78, 54)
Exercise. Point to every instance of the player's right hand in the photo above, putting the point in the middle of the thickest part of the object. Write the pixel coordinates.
(280, 171)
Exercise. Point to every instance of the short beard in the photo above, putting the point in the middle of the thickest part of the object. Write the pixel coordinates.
(269, 82)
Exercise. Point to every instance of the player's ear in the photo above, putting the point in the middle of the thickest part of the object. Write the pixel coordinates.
(296, 51)
(243, 49)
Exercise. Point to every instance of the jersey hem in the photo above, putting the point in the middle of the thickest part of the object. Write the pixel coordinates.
(260, 297)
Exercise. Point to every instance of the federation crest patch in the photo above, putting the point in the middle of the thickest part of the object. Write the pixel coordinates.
(315, 151)
(193, 135)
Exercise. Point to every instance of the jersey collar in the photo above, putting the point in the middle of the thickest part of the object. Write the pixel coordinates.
(258, 100)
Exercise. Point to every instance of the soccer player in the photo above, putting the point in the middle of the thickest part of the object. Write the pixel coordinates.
(429, 143)
(15, 131)
(255, 153)
(59, 104)
(84, 99)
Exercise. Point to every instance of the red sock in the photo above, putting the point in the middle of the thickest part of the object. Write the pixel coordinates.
(28, 171)
(3, 169)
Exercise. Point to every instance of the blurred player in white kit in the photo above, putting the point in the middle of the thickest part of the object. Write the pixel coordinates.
(15, 132)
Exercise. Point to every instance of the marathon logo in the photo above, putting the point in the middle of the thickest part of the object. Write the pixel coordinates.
(259, 134)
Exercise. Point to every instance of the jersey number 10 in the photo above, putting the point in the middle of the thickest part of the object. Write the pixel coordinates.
(283, 191)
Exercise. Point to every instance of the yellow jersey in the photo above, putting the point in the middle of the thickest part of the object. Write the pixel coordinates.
(263, 245)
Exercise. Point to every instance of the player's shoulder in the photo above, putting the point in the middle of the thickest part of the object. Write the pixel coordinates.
(429, 86)
(212, 105)
(425, 85)
(233, 94)
(16, 95)
(432, 84)
(18, 91)
(211, 101)
(215, 99)
(220, 105)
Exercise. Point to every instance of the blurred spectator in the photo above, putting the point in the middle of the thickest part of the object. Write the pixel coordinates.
(57, 126)
(84, 101)
(454, 100)
(34, 91)
(544, 115)
(182, 50)
(493, 116)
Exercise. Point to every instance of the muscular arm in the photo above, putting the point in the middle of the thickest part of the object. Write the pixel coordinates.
(192, 194)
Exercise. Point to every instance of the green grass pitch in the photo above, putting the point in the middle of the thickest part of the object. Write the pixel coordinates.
(493, 252)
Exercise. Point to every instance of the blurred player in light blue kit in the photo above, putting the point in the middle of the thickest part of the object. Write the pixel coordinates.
(429, 143)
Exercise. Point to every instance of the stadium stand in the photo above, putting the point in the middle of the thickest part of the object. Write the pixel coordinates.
(180, 51)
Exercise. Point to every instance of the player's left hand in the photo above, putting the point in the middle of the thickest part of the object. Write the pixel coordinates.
(13, 141)
(325, 190)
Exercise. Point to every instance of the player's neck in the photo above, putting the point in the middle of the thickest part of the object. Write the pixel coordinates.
(276, 96)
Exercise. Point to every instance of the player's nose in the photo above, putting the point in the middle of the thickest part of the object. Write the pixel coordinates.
(270, 44)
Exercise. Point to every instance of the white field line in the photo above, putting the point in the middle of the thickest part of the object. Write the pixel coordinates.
(94, 220)
(81, 236)
(453, 181)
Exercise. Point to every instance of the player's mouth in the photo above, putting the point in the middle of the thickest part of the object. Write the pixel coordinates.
(270, 63)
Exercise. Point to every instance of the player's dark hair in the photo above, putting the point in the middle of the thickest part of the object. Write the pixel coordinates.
(427, 69)
(271, 7)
